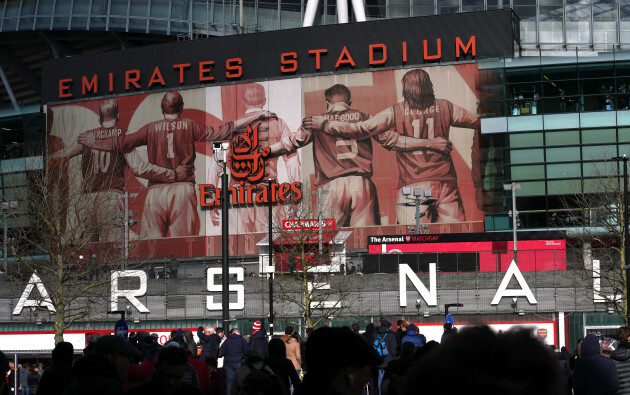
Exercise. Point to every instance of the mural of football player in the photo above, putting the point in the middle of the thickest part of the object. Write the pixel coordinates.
(272, 131)
(422, 116)
(170, 209)
(103, 172)
(343, 166)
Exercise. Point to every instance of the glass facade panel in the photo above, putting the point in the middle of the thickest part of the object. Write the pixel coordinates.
(62, 7)
(159, 9)
(179, 28)
(594, 136)
(624, 134)
(28, 7)
(518, 140)
(567, 154)
(117, 24)
(97, 23)
(99, 7)
(61, 22)
(45, 7)
(118, 7)
(599, 152)
(40, 23)
(564, 137)
(527, 172)
(80, 7)
(564, 170)
(578, 26)
(527, 156)
(140, 7)
(180, 10)
(595, 169)
(159, 27)
(532, 188)
(562, 187)
(200, 12)
(79, 23)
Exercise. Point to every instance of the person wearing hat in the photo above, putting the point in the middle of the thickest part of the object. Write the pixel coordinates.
(57, 376)
(104, 370)
(258, 340)
(347, 371)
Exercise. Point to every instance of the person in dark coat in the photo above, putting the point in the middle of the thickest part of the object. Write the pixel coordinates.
(621, 358)
(385, 336)
(412, 336)
(449, 332)
(396, 370)
(339, 362)
(278, 362)
(104, 370)
(370, 333)
(172, 363)
(4, 367)
(58, 375)
(211, 342)
(594, 373)
(233, 350)
(33, 380)
(258, 340)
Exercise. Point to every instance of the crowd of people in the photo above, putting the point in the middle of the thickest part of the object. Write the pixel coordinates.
(328, 361)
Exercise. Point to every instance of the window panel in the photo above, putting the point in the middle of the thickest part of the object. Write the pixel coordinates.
(565, 170)
(527, 172)
(518, 140)
(599, 152)
(567, 154)
(99, 7)
(118, 7)
(40, 23)
(624, 134)
(45, 7)
(526, 156)
(595, 136)
(61, 22)
(564, 137)
(159, 9)
(62, 7)
(140, 8)
(562, 187)
(532, 188)
(598, 169)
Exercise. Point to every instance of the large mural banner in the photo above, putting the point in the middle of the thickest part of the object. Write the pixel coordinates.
(370, 140)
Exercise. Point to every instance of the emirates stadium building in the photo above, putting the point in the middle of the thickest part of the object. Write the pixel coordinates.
(407, 160)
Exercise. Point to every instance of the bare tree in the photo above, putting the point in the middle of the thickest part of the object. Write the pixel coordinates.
(56, 217)
(309, 271)
(594, 208)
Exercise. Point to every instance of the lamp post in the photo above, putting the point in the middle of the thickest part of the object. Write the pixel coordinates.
(420, 197)
(624, 158)
(270, 181)
(221, 149)
(513, 187)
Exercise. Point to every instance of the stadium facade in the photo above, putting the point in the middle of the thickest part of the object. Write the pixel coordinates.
(549, 83)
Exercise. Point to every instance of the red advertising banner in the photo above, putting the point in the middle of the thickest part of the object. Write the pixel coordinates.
(296, 224)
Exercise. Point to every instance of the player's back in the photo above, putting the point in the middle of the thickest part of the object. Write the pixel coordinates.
(103, 170)
(430, 123)
(338, 156)
(171, 142)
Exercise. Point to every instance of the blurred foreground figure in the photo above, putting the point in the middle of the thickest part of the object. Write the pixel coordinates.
(479, 361)
(339, 362)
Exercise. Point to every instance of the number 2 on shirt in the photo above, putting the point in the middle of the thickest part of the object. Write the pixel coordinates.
(416, 132)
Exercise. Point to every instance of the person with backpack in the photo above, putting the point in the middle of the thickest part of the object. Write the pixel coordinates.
(385, 346)
(252, 363)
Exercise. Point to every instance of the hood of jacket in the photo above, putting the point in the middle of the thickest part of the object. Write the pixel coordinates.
(622, 353)
(259, 334)
(590, 346)
(382, 329)
(411, 332)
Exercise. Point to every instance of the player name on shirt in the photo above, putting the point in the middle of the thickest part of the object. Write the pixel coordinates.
(108, 133)
(344, 117)
(429, 110)
(174, 125)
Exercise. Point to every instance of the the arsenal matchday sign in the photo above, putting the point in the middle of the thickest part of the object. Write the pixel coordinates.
(284, 53)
